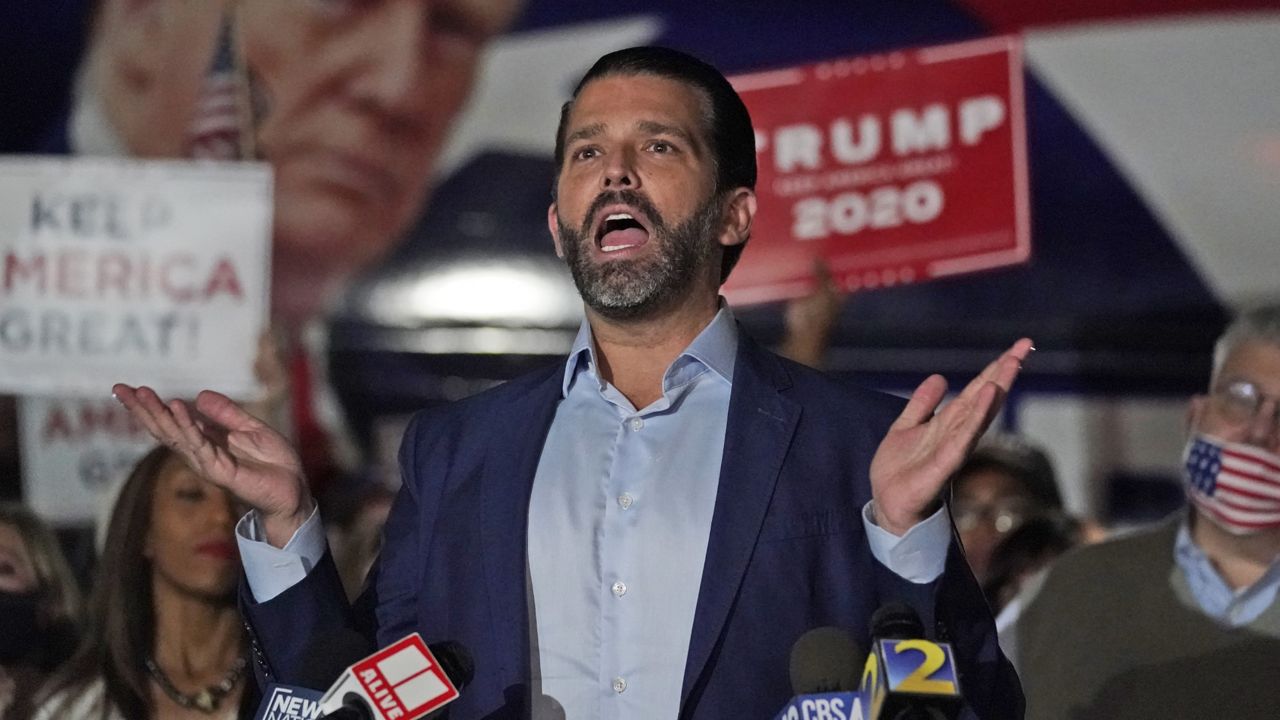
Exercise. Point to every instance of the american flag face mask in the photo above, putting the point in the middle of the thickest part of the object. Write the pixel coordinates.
(1237, 486)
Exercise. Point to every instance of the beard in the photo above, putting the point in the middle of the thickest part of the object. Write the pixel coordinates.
(639, 288)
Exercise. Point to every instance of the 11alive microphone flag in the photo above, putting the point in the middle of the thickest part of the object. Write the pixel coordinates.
(402, 681)
(898, 672)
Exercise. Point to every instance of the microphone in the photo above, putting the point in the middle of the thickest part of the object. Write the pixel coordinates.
(403, 681)
(824, 677)
(907, 677)
(456, 661)
(328, 656)
(825, 659)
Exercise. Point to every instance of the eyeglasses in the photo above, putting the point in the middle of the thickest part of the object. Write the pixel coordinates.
(1003, 517)
(1240, 402)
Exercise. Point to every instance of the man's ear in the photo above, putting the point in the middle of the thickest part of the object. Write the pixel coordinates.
(553, 224)
(1196, 408)
(740, 212)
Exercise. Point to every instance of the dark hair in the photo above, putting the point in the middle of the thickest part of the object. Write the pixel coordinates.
(121, 622)
(121, 618)
(1014, 456)
(732, 138)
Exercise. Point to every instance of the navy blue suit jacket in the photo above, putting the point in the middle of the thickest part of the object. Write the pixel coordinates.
(787, 550)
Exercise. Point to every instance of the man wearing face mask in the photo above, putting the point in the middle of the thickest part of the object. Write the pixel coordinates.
(1181, 620)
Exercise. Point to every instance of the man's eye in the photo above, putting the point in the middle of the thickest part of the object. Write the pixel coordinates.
(586, 153)
(660, 146)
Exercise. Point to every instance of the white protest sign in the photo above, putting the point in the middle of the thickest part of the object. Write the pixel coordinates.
(74, 452)
(145, 272)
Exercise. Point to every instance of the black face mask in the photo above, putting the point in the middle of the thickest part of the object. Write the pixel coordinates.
(20, 626)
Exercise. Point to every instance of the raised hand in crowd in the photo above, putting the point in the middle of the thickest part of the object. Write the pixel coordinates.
(809, 320)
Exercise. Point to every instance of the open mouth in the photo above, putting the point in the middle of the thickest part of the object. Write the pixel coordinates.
(619, 230)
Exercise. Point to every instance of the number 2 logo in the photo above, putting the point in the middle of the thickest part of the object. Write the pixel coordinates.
(918, 681)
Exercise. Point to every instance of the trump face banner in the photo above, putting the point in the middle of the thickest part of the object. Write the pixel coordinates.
(889, 169)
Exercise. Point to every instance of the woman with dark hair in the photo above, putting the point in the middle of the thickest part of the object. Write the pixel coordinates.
(164, 639)
(39, 608)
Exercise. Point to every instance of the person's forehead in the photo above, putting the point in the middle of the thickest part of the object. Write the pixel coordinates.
(490, 16)
(176, 471)
(989, 483)
(1255, 361)
(639, 100)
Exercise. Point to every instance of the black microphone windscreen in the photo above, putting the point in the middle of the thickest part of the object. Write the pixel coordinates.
(329, 654)
(349, 712)
(896, 621)
(455, 660)
(825, 659)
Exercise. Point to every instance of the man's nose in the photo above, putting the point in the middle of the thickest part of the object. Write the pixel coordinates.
(222, 509)
(395, 74)
(619, 171)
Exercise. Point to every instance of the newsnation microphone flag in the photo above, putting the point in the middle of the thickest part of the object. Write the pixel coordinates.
(284, 702)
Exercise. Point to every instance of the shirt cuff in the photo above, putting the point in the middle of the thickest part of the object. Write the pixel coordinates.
(271, 570)
(920, 555)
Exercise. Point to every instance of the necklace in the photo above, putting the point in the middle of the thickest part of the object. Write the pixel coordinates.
(205, 700)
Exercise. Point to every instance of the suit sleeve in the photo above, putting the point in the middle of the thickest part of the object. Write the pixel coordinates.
(387, 607)
(954, 610)
(285, 630)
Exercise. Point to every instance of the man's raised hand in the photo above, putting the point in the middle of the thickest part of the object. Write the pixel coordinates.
(231, 448)
(922, 450)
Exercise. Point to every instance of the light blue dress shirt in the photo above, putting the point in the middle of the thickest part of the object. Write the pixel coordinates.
(1214, 596)
(619, 520)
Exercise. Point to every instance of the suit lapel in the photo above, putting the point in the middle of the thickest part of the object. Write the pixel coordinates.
(761, 424)
(518, 433)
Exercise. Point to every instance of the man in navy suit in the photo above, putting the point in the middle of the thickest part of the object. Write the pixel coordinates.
(645, 530)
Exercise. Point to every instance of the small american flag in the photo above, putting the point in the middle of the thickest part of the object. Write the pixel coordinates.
(1238, 483)
(215, 130)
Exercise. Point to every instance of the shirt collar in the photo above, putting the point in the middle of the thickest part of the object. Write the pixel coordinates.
(715, 348)
(1200, 571)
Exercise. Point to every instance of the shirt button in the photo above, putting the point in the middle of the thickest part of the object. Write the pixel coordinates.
(625, 500)
(619, 588)
(619, 685)
(635, 424)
